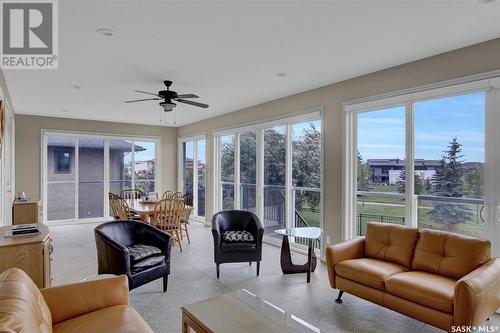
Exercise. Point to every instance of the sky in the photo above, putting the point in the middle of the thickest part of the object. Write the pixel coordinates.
(381, 134)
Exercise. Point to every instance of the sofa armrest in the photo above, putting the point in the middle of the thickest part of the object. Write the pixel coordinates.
(73, 300)
(351, 249)
(477, 295)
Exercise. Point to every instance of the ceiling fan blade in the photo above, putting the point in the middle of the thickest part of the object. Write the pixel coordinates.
(142, 100)
(187, 96)
(201, 105)
(145, 92)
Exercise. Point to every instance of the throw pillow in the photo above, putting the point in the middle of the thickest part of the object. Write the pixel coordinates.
(237, 236)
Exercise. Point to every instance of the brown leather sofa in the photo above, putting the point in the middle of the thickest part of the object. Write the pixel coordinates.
(89, 307)
(440, 278)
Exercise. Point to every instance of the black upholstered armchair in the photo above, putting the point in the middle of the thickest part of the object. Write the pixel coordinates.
(135, 249)
(232, 243)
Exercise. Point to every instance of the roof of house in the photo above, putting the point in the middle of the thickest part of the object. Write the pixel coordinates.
(61, 141)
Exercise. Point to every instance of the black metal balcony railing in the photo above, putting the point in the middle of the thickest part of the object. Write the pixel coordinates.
(385, 206)
(363, 220)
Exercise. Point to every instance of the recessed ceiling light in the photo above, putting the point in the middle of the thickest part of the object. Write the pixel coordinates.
(76, 86)
(106, 32)
(281, 74)
(64, 110)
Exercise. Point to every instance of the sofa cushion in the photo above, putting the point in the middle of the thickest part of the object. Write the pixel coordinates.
(449, 254)
(148, 262)
(118, 318)
(141, 251)
(22, 307)
(432, 290)
(389, 242)
(368, 271)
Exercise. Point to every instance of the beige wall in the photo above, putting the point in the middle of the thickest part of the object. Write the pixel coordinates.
(475, 59)
(28, 146)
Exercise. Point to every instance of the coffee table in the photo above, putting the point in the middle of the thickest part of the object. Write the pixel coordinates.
(242, 312)
(312, 234)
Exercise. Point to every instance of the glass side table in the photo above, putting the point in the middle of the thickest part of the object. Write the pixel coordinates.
(312, 234)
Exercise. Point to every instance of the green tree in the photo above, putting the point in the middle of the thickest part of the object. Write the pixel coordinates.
(364, 175)
(306, 166)
(418, 183)
(447, 182)
(474, 181)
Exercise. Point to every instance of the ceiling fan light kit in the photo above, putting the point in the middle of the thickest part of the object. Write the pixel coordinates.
(168, 106)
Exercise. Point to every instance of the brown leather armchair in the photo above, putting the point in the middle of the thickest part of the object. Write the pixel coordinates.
(88, 307)
(440, 278)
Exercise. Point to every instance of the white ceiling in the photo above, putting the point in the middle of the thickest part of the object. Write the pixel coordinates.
(228, 52)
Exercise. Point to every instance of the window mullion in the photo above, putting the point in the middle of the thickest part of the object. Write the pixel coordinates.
(194, 191)
(77, 175)
(132, 167)
(411, 200)
(288, 179)
(259, 173)
(106, 181)
(237, 190)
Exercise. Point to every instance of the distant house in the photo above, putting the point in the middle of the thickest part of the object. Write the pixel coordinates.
(61, 175)
(388, 171)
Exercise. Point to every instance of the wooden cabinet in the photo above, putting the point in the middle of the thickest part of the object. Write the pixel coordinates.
(26, 212)
(32, 254)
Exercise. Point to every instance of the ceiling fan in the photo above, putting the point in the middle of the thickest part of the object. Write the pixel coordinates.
(167, 96)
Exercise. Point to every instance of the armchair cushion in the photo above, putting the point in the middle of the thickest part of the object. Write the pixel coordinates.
(141, 251)
(237, 246)
(148, 262)
(237, 236)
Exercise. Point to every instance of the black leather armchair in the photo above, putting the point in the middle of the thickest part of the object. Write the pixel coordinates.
(114, 239)
(237, 220)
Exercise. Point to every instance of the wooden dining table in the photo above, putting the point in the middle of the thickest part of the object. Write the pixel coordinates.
(146, 209)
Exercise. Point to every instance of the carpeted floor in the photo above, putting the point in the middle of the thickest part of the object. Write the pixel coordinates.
(193, 279)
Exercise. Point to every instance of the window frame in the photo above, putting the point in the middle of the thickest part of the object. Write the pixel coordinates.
(406, 98)
(180, 173)
(288, 121)
(106, 137)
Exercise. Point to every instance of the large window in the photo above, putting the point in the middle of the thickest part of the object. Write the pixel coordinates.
(273, 170)
(193, 172)
(420, 163)
(79, 170)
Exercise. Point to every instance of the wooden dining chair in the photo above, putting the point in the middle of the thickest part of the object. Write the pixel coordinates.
(167, 217)
(168, 195)
(130, 193)
(185, 222)
(188, 199)
(120, 208)
(178, 195)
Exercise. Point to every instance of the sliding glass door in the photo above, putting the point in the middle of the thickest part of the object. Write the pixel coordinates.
(273, 170)
(192, 177)
(80, 169)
